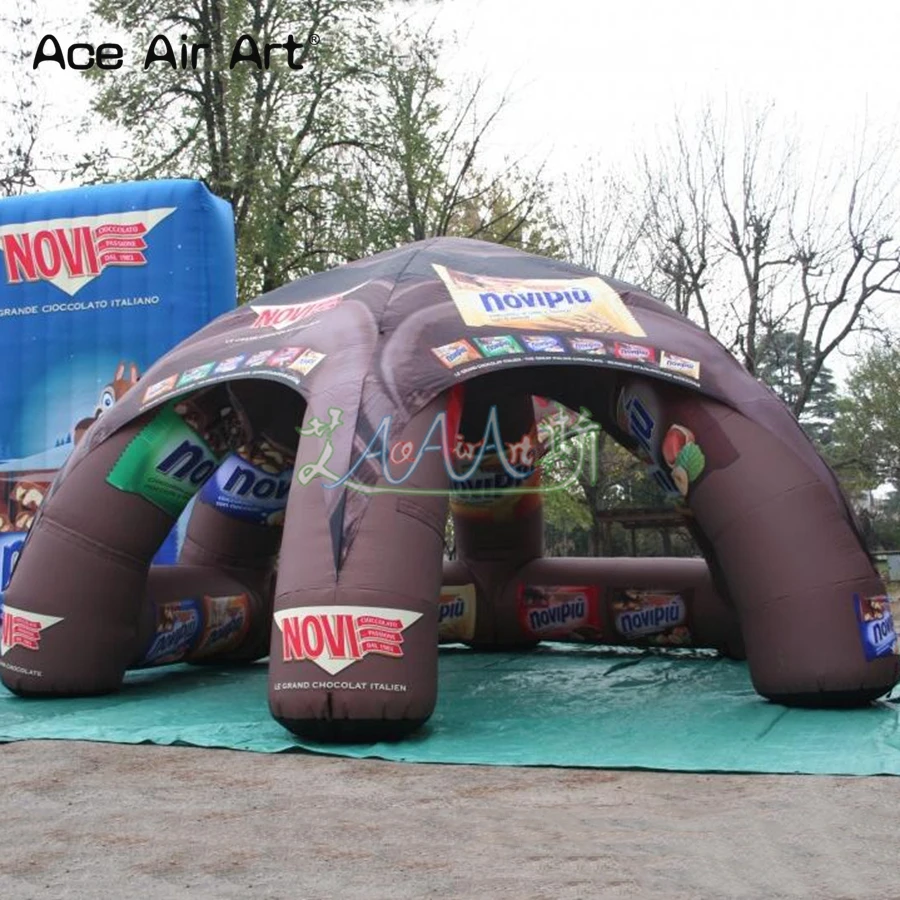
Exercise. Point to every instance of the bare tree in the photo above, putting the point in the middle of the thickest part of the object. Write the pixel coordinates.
(749, 237)
(846, 255)
(422, 175)
(754, 205)
(683, 255)
(602, 221)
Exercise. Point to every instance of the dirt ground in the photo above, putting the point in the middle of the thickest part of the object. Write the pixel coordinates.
(89, 820)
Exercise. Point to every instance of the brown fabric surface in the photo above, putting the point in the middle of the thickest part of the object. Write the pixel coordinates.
(358, 593)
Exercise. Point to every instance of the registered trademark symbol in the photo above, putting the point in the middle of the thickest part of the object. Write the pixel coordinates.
(314, 39)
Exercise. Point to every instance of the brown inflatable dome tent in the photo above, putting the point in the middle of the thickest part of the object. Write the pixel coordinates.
(322, 430)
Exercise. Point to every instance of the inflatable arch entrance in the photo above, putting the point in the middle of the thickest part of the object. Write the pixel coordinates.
(317, 431)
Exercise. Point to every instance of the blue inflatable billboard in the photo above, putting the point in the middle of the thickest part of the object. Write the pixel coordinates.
(96, 283)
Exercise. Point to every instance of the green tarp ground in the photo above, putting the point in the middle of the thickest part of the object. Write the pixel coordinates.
(557, 706)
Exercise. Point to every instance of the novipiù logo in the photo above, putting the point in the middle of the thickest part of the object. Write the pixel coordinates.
(23, 629)
(70, 253)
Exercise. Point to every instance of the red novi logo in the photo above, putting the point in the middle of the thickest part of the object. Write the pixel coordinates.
(279, 317)
(69, 253)
(334, 637)
(23, 629)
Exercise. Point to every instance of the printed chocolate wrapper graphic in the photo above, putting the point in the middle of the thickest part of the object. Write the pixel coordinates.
(251, 484)
(232, 364)
(169, 460)
(639, 414)
(636, 353)
(456, 353)
(160, 388)
(300, 360)
(652, 617)
(558, 612)
(501, 345)
(456, 613)
(198, 373)
(306, 361)
(21, 495)
(178, 627)
(196, 628)
(589, 346)
(284, 357)
(258, 359)
(226, 621)
(539, 304)
(876, 626)
(542, 343)
(670, 362)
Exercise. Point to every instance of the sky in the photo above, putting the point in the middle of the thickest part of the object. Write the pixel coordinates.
(597, 77)
(600, 77)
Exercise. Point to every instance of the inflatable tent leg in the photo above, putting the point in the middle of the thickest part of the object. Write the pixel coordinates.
(71, 622)
(794, 565)
(71, 612)
(215, 541)
(236, 522)
(497, 532)
(354, 653)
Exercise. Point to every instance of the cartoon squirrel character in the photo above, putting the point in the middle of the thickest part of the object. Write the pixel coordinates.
(119, 386)
(21, 506)
(28, 496)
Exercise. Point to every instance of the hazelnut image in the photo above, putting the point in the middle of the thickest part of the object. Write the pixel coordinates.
(677, 437)
(691, 459)
(682, 482)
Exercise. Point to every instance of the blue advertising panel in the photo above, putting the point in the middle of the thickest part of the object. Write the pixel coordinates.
(96, 283)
